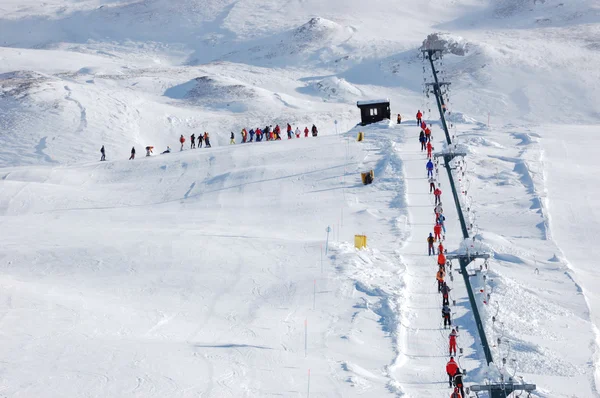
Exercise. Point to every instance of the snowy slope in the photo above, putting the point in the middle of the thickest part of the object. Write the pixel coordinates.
(192, 274)
(186, 274)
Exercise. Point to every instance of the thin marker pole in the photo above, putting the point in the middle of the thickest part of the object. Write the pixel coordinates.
(308, 390)
(321, 258)
(315, 295)
(305, 338)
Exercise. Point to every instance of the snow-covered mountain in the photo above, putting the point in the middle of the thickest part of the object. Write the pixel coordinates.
(210, 272)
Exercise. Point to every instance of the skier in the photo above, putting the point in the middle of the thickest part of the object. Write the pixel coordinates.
(419, 116)
(422, 140)
(259, 134)
(277, 132)
(458, 383)
(440, 220)
(206, 140)
(440, 248)
(297, 132)
(438, 210)
(200, 138)
(423, 126)
(193, 141)
(446, 296)
(244, 135)
(456, 394)
(437, 193)
(103, 157)
(232, 139)
(132, 153)
(430, 241)
(441, 260)
(251, 135)
(399, 119)
(452, 341)
(289, 131)
(149, 150)
(168, 150)
(429, 149)
(305, 132)
(437, 232)
(314, 130)
(439, 276)
(428, 134)
(181, 140)
(446, 315)
(429, 167)
(431, 184)
(451, 369)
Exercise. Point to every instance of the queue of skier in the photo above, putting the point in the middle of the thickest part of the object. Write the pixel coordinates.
(270, 133)
(254, 135)
(455, 377)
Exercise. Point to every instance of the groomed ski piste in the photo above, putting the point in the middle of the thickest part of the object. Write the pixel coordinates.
(210, 272)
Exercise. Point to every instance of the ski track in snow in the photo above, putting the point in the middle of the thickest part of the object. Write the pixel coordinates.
(82, 117)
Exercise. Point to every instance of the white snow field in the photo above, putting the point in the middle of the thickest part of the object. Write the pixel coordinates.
(209, 272)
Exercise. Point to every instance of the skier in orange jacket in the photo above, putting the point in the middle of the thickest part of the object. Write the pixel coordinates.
(439, 276)
(419, 116)
(442, 260)
(427, 134)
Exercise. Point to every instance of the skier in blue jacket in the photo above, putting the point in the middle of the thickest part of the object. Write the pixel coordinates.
(429, 167)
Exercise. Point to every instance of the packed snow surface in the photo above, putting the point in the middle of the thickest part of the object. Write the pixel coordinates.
(231, 270)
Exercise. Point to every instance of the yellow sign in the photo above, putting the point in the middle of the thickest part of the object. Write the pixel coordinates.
(360, 241)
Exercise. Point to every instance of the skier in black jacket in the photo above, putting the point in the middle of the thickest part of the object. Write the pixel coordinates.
(458, 382)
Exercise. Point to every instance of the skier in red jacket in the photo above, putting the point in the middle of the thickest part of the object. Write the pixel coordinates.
(429, 149)
(181, 140)
(419, 116)
(306, 131)
(437, 193)
(451, 368)
(452, 340)
(437, 232)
